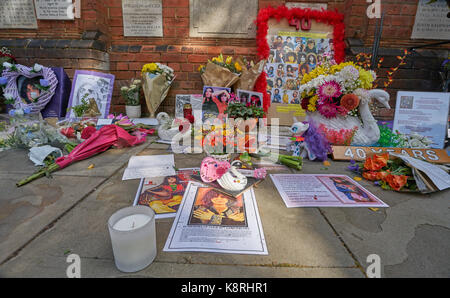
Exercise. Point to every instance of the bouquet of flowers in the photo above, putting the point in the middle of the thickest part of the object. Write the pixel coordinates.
(157, 80)
(131, 93)
(390, 174)
(220, 72)
(335, 89)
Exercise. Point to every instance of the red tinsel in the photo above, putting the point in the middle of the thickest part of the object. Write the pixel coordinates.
(332, 18)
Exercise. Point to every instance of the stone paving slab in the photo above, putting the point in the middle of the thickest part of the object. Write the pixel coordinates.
(412, 236)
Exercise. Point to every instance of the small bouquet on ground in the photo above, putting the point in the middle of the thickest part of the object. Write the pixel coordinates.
(390, 174)
(220, 72)
(157, 80)
(388, 138)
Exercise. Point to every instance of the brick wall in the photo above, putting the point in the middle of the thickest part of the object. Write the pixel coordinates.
(96, 42)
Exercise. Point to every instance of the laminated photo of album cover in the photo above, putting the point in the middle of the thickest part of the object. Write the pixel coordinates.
(215, 102)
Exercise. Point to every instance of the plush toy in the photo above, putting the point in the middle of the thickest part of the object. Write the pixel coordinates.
(308, 141)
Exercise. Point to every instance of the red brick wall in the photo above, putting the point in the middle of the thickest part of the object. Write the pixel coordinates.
(125, 56)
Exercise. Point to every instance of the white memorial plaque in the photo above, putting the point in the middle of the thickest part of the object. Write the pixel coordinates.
(54, 9)
(17, 14)
(431, 21)
(302, 5)
(142, 18)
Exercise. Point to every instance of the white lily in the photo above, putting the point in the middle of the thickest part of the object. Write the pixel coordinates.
(37, 67)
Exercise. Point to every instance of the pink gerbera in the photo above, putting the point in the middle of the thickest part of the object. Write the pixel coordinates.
(329, 90)
(328, 109)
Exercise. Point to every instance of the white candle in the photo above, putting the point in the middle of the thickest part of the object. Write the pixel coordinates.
(133, 238)
(132, 222)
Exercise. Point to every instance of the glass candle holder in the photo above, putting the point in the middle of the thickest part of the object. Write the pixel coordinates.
(133, 238)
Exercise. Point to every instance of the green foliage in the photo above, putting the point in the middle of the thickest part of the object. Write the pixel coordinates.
(241, 110)
(80, 109)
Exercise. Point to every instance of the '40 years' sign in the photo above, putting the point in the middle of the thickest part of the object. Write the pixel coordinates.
(360, 153)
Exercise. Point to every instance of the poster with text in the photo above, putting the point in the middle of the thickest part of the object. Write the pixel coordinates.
(425, 113)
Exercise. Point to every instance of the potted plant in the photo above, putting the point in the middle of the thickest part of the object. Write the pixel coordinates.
(132, 100)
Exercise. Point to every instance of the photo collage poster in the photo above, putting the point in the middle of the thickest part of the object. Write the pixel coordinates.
(292, 55)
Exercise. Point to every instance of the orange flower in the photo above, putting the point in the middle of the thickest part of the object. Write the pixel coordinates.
(376, 163)
(370, 175)
(396, 182)
(350, 101)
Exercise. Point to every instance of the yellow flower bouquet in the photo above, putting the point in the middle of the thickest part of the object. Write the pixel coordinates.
(157, 79)
(220, 72)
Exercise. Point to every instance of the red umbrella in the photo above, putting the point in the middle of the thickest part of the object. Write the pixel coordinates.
(100, 141)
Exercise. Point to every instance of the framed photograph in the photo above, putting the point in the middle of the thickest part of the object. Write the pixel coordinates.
(215, 102)
(195, 100)
(94, 87)
(251, 97)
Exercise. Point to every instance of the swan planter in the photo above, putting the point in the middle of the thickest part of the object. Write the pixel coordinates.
(336, 98)
(367, 130)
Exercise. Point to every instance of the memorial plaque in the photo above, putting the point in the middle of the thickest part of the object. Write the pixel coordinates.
(142, 18)
(227, 19)
(54, 9)
(317, 6)
(17, 14)
(431, 21)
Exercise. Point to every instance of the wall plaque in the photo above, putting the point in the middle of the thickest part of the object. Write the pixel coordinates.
(302, 5)
(54, 9)
(142, 18)
(17, 14)
(226, 19)
(431, 21)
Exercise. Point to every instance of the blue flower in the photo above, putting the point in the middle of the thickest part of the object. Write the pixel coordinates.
(44, 83)
(27, 110)
(3, 80)
(11, 113)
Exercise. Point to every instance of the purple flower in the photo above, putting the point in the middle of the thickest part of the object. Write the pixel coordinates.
(352, 161)
(354, 168)
(3, 80)
(377, 183)
(44, 83)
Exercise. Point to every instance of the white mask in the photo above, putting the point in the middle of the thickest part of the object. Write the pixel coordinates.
(34, 95)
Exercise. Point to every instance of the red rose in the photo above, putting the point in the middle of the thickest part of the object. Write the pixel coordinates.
(88, 132)
(305, 103)
(69, 132)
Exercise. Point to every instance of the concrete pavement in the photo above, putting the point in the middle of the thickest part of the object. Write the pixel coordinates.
(41, 223)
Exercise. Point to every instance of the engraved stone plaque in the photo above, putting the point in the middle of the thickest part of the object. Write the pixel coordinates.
(17, 14)
(227, 19)
(142, 18)
(431, 21)
(54, 9)
(317, 6)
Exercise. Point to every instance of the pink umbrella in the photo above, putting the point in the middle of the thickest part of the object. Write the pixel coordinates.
(100, 141)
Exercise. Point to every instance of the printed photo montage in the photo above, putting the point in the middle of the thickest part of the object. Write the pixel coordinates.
(291, 57)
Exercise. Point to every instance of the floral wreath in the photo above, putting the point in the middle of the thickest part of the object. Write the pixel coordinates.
(47, 85)
(332, 18)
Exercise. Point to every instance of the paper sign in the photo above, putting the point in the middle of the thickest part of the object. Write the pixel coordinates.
(101, 122)
(148, 166)
(438, 156)
(425, 113)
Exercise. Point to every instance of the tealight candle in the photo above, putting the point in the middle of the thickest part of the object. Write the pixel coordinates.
(133, 238)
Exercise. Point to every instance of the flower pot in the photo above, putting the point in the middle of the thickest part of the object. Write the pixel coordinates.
(133, 111)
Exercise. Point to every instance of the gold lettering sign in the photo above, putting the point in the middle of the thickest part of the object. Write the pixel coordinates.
(360, 153)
